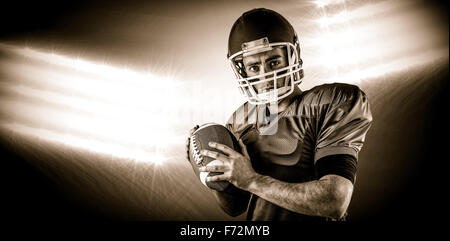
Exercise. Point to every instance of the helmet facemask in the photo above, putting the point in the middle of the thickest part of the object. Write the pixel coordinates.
(273, 85)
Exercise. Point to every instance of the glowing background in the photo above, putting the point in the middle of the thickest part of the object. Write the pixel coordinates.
(102, 99)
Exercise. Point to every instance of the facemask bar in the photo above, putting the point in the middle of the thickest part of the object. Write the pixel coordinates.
(293, 71)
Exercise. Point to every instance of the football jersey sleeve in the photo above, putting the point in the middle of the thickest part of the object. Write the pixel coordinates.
(344, 123)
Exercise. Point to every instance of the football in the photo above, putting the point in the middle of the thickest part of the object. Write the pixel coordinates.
(199, 141)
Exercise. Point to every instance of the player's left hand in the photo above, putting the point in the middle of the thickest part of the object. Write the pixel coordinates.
(237, 168)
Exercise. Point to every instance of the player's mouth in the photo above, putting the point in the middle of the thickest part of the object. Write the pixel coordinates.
(264, 89)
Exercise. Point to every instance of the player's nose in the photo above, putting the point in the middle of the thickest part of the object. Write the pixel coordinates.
(262, 69)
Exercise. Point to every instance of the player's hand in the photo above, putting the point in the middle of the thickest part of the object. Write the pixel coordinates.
(188, 141)
(237, 168)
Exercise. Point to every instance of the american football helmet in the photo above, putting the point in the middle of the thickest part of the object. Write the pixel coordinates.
(258, 31)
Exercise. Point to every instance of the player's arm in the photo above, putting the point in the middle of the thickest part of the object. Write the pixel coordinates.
(329, 196)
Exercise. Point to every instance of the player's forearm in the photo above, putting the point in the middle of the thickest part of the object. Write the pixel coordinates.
(315, 198)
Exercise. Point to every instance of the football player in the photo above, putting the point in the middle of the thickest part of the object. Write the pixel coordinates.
(299, 148)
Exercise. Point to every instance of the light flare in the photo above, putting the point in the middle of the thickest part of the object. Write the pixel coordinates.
(324, 3)
(117, 150)
(93, 106)
(369, 40)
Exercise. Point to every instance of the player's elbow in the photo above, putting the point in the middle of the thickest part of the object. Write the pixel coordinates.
(337, 206)
(338, 195)
(337, 211)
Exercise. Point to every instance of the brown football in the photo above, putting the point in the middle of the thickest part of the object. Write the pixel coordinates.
(199, 141)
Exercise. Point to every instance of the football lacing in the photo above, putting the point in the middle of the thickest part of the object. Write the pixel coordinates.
(196, 152)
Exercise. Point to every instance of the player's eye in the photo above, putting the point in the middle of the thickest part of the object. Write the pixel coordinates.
(274, 64)
(253, 68)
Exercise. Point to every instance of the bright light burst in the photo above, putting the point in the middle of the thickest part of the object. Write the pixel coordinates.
(95, 145)
(341, 17)
(358, 41)
(324, 3)
(92, 106)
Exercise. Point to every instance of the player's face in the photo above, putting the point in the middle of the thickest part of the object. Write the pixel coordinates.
(266, 62)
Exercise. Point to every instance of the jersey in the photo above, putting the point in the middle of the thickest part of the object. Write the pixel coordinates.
(326, 120)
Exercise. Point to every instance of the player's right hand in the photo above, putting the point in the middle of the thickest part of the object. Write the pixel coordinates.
(188, 141)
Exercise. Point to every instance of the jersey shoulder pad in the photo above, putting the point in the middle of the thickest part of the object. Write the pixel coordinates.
(325, 97)
(333, 94)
